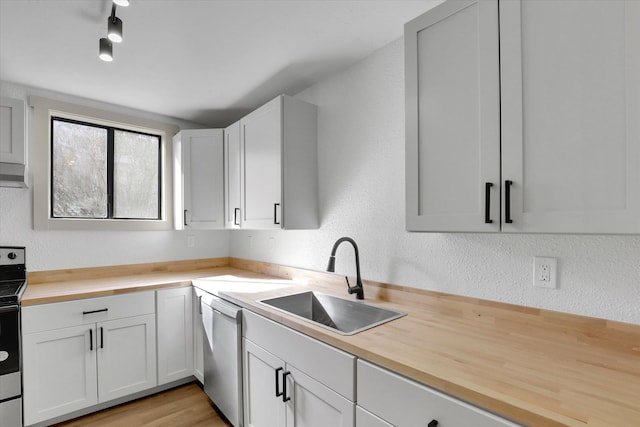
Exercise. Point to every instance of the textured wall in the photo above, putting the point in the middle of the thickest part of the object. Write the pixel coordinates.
(361, 159)
(50, 250)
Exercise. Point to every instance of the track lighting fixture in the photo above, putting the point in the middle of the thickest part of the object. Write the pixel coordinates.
(114, 32)
(106, 50)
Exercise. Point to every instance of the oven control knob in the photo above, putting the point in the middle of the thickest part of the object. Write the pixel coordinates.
(12, 255)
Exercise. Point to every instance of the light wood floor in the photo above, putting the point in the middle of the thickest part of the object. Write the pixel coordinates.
(187, 405)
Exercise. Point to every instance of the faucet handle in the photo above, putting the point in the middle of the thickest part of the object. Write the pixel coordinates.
(354, 289)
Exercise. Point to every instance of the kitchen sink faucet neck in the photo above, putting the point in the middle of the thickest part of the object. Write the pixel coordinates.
(331, 267)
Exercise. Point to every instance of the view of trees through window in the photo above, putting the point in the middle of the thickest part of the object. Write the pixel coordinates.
(100, 172)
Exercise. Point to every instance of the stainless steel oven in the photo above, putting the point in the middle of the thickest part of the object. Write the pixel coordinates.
(13, 282)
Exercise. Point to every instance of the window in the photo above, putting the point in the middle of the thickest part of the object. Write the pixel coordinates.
(108, 169)
(102, 172)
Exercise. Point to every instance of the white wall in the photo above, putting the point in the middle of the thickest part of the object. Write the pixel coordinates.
(361, 163)
(51, 250)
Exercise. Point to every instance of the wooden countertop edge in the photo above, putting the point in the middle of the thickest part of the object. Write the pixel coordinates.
(150, 276)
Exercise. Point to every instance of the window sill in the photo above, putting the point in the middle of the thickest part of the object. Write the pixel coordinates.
(101, 224)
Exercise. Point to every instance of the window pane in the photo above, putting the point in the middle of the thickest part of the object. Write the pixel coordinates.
(79, 155)
(136, 168)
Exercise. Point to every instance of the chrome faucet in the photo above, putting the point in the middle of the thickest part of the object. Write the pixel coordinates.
(331, 267)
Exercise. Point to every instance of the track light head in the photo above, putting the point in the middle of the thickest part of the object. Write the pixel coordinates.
(114, 32)
(123, 3)
(106, 50)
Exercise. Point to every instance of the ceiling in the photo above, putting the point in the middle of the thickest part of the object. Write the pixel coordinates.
(206, 61)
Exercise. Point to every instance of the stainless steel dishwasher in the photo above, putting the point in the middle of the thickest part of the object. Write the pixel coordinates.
(222, 323)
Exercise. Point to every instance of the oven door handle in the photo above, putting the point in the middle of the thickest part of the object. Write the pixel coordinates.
(9, 308)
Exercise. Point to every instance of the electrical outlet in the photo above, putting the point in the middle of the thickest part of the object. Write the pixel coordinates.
(544, 272)
(191, 241)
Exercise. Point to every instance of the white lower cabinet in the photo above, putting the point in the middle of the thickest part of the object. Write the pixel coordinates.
(390, 398)
(60, 373)
(198, 340)
(294, 380)
(175, 334)
(262, 406)
(80, 353)
(126, 353)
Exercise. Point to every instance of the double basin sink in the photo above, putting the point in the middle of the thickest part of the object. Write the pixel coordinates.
(346, 317)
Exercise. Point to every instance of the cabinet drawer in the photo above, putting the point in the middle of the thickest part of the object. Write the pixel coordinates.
(405, 403)
(332, 367)
(57, 315)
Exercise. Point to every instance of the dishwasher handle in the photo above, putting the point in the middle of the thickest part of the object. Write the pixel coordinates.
(222, 307)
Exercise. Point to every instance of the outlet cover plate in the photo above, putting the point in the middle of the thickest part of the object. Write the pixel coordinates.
(545, 272)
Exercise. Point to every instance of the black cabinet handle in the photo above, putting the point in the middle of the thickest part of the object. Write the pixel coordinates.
(235, 216)
(275, 213)
(507, 201)
(84, 313)
(91, 339)
(200, 304)
(487, 203)
(433, 423)
(184, 217)
(278, 392)
(101, 337)
(285, 398)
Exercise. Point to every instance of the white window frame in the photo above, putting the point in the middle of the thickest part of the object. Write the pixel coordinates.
(43, 110)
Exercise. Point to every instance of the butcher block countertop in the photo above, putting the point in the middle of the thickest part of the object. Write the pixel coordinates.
(536, 367)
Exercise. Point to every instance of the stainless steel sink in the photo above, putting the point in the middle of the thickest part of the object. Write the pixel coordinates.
(347, 317)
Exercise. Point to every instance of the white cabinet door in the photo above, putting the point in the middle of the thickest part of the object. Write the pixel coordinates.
(262, 382)
(453, 118)
(279, 169)
(570, 75)
(59, 372)
(261, 148)
(198, 179)
(232, 167)
(198, 340)
(12, 131)
(312, 404)
(175, 334)
(126, 351)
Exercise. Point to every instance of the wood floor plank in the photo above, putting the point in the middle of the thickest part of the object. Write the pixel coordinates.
(184, 406)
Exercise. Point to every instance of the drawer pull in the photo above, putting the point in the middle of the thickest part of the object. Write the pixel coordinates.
(278, 392)
(285, 398)
(433, 423)
(84, 313)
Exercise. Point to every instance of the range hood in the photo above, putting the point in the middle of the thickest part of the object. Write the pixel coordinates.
(13, 175)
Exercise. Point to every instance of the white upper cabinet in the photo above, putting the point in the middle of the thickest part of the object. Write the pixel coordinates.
(542, 135)
(232, 187)
(12, 131)
(571, 115)
(453, 118)
(278, 166)
(198, 170)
